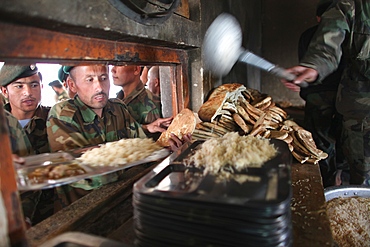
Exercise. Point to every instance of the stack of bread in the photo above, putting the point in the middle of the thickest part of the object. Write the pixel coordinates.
(235, 108)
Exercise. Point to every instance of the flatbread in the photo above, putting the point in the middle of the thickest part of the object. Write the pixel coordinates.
(182, 124)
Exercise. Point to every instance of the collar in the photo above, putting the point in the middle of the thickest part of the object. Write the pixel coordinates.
(87, 113)
(138, 90)
(40, 112)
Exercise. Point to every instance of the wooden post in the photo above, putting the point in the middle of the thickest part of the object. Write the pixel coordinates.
(8, 186)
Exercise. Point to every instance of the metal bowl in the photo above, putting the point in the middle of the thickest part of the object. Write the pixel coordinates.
(346, 191)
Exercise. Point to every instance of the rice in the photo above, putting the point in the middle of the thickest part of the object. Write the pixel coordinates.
(218, 155)
(350, 221)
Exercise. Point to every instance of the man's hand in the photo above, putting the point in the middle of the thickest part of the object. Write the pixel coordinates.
(159, 125)
(176, 143)
(303, 74)
(18, 160)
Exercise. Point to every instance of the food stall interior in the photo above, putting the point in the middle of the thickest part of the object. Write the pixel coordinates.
(55, 32)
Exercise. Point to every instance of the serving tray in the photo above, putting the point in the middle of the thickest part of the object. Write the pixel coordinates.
(35, 163)
(177, 181)
(179, 201)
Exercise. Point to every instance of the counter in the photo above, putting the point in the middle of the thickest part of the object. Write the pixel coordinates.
(107, 212)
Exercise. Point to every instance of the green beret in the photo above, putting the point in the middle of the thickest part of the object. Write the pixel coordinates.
(10, 73)
(56, 83)
(67, 69)
(62, 76)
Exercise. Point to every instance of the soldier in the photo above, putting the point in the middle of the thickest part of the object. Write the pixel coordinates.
(90, 119)
(341, 33)
(142, 104)
(320, 115)
(21, 85)
(60, 93)
(154, 84)
(62, 76)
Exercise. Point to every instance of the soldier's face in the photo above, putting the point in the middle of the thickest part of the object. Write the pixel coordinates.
(24, 94)
(125, 75)
(91, 83)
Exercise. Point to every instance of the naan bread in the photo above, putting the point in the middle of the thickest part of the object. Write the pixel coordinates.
(182, 124)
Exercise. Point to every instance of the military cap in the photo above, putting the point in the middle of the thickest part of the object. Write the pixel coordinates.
(67, 69)
(56, 83)
(10, 73)
(62, 76)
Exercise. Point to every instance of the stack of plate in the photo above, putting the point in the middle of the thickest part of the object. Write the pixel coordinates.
(175, 205)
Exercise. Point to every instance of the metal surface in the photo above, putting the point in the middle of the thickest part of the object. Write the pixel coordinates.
(258, 186)
(137, 10)
(249, 206)
(55, 159)
(222, 48)
(346, 191)
(79, 239)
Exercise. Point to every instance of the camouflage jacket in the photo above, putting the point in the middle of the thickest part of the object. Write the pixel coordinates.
(142, 104)
(18, 137)
(36, 129)
(61, 97)
(346, 25)
(72, 124)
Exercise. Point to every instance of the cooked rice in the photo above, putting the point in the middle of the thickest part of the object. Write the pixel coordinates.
(217, 155)
(120, 152)
(350, 221)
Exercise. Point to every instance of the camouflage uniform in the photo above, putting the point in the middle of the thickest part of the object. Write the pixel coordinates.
(72, 124)
(36, 133)
(61, 97)
(347, 25)
(37, 205)
(142, 104)
(21, 146)
(36, 129)
(320, 115)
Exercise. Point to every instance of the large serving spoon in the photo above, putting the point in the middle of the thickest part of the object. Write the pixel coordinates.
(222, 48)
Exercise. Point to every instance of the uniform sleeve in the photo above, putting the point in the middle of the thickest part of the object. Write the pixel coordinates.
(63, 133)
(324, 52)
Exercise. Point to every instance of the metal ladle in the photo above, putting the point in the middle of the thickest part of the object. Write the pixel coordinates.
(222, 48)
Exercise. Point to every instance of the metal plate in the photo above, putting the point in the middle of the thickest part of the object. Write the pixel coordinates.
(172, 181)
(51, 160)
(346, 191)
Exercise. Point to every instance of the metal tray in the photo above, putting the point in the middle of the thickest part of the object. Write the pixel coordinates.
(63, 158)
(346, 191)
(171, 180)
(46, 159)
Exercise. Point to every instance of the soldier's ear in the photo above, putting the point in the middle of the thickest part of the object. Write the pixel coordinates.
(4, 91)
(71, 84)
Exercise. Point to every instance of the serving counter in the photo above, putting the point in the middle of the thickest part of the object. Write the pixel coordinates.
(108, 212)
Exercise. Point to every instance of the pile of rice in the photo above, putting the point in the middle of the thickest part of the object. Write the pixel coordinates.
(120, 152)
(350, 221)
(240, 152)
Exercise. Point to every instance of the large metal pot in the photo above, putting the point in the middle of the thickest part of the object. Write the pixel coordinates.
(346, 191)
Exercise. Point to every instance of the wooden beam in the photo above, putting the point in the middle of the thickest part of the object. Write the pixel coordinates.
(31, 45)
(25, 44)
(8, 186)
